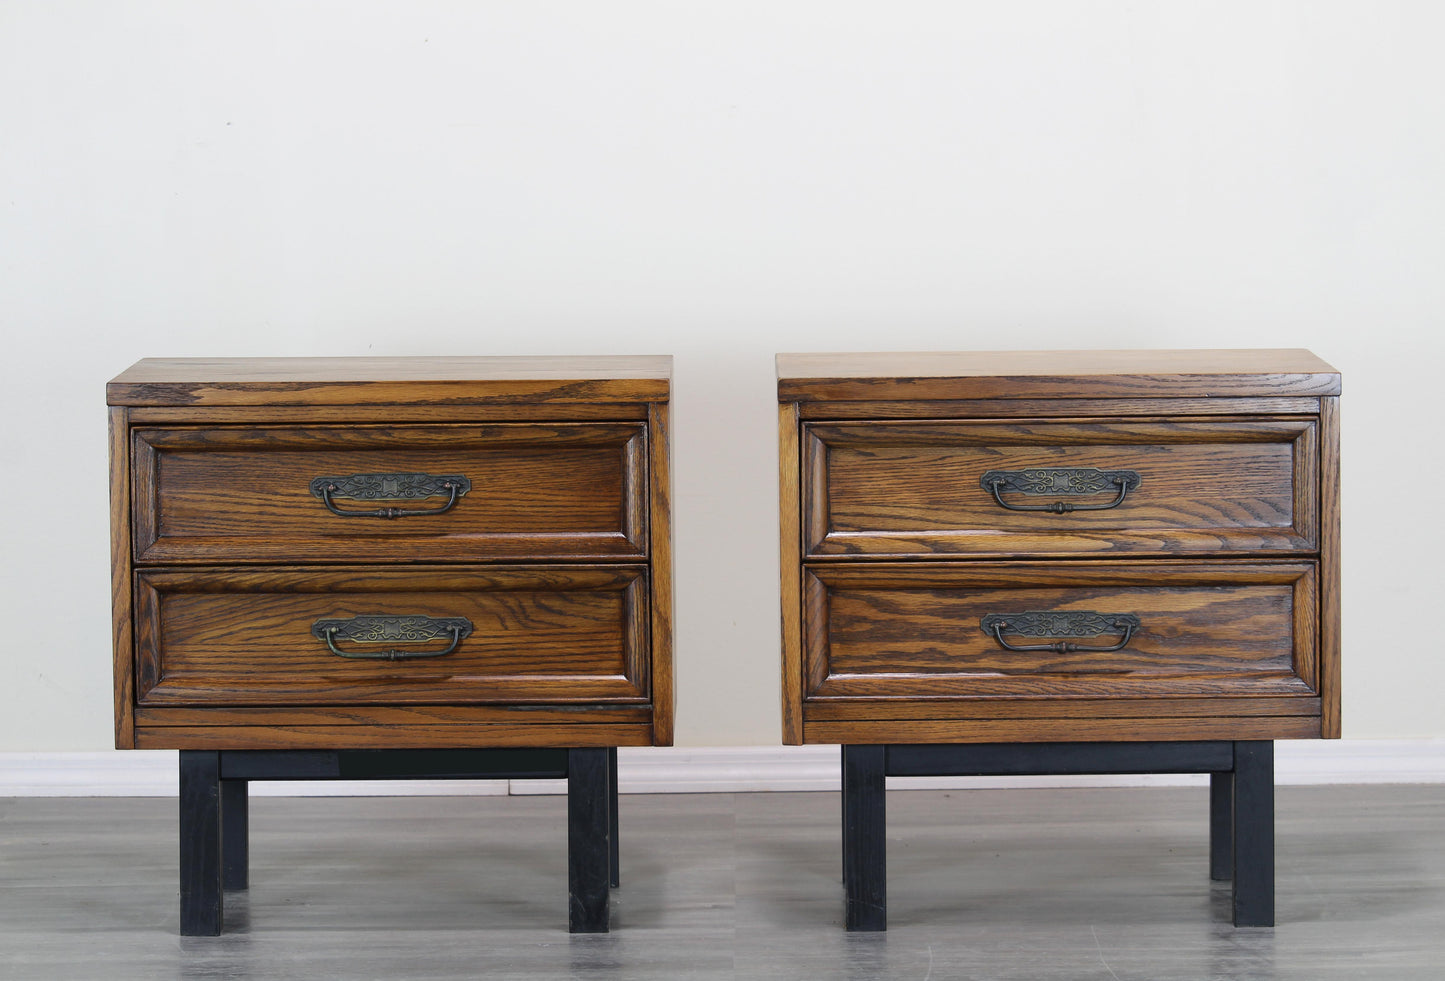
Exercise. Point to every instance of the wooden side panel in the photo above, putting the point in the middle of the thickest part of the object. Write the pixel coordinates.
(392, 737)
(916, 631)
(899, 489)
(245, 637)
(122, 641)
(659, 471)
(1330, 567)
(246, 495)
(790, 573)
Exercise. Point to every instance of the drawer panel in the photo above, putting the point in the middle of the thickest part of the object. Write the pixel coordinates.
(902, 489)
(560, 634)
(535, 490)
(1182, 630)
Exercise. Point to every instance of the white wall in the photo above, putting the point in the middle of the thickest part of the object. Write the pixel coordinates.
(720, 181)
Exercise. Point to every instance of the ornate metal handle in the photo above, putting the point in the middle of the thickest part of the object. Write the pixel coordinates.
(381, 629)
(1059, 480)
(1079, 623)
(390, 487)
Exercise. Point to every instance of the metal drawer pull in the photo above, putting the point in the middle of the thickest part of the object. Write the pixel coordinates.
(1059, 480)
(1081, 623)
(381, 629)
(390, 487)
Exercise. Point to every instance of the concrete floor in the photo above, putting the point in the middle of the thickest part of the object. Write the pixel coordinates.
(1000, 884)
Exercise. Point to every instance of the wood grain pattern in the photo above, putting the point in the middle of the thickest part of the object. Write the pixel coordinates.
(389, 715)
(539, 490)
(122, 651)
(211, 467)
(914, 631)
(659, 537)
(404, 381)
(540, 634)
(1060, 730)
(263, 415)
(392, 737)
(790, 573)
(1043, 374)
(1330, 567)
(1053, 707)
(896, 489)
(1076, 409)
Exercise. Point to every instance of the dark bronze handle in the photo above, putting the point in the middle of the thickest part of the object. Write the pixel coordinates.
(1059, 480)
(375, 628)
(390, 487)
(1065, 624)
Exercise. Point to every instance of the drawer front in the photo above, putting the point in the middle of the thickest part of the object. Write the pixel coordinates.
(356, 636)
(1128, 630)
(447, 493)
(991, 489)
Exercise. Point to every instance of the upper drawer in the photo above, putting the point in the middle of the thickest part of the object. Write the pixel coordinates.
(1045, 488)
(505, 491)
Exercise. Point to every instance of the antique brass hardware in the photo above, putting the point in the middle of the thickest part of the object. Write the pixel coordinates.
(1060, 480)
(381, 628)
(1069, 623)
(390, 487)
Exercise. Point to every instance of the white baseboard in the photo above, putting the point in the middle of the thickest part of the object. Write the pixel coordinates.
(684, 770)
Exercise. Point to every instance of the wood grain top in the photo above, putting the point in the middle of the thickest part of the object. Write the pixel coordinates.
(1056, 374)
(404, 381)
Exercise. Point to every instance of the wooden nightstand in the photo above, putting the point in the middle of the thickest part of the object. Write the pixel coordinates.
(391, 567)
(1061, 562)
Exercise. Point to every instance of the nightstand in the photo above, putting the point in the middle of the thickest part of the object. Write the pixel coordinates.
(391, 567)
(1061, 562)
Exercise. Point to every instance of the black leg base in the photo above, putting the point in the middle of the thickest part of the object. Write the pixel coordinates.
(1241, 806)
(235, 835)
(202, 901)
(612, 842)
(589, 855)
(865, 822)
(1221, 826)
(214, 813)
(1254, 834)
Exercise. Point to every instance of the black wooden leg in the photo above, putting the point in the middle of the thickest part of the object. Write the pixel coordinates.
(201, 896)
(235, 834)
(614, 863)
(588, 852)
(1254, 834)
(865, 860)
(1221, 825)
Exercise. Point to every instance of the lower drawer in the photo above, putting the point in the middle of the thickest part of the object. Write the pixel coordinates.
(1136, 630)
(359, 636)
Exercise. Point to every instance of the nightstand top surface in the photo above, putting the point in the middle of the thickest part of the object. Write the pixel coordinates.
(1052, 374)
(398, 380)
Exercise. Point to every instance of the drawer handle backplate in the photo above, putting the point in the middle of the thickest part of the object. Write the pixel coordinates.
(375, 628)
(1080, 623)
(1060, 480)
(390, 487)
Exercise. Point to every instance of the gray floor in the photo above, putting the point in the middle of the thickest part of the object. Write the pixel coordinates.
(1026, 884)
